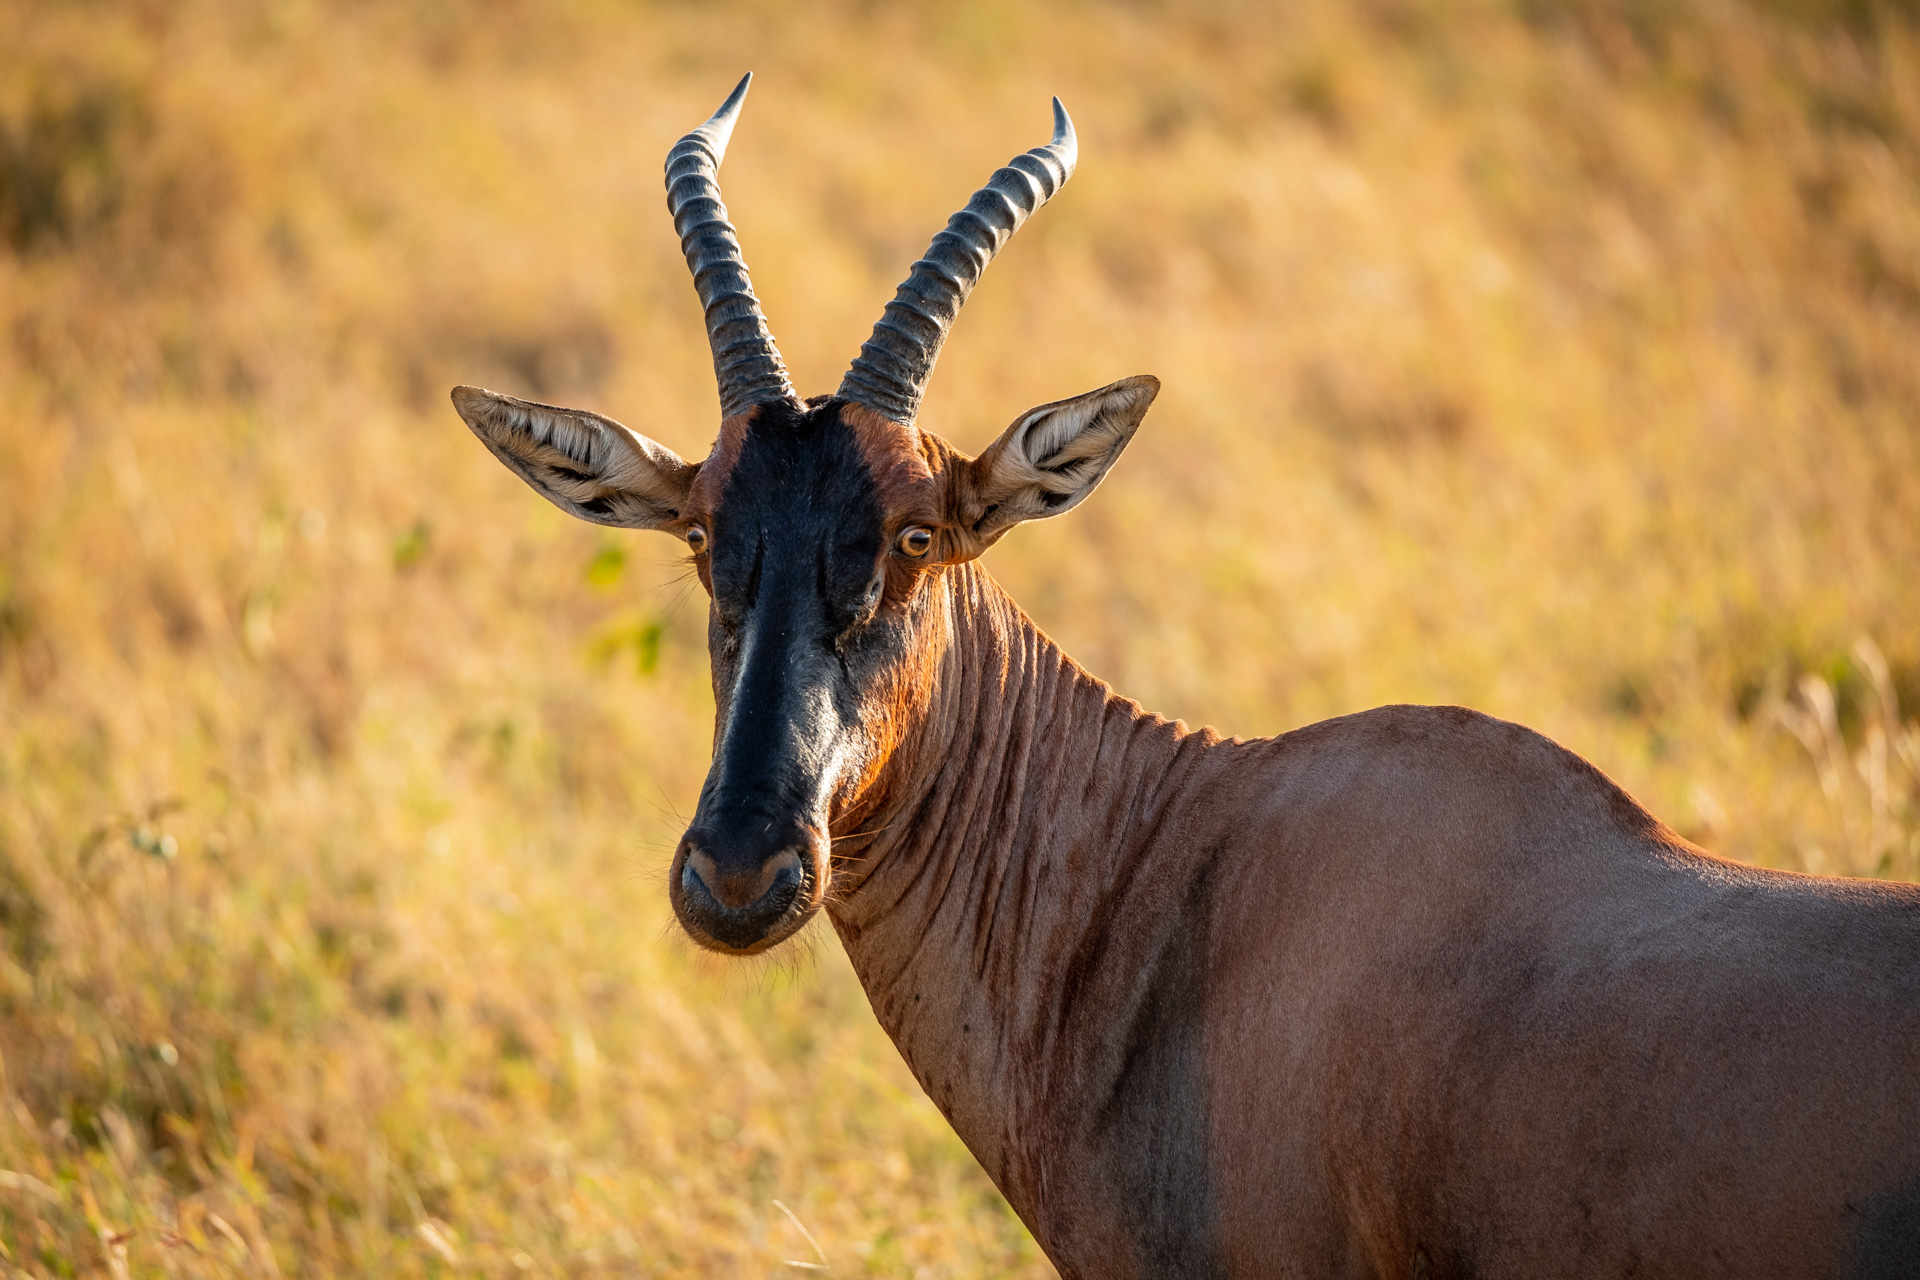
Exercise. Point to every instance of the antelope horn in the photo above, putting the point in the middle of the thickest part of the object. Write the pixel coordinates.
(745, 362)
(890, 374)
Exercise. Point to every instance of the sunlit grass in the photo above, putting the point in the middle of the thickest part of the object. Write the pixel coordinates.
(1555, 359)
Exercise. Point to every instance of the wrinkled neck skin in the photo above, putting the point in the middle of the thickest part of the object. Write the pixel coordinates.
(1007, 827)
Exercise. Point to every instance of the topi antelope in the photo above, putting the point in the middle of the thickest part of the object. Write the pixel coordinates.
(1414, 992)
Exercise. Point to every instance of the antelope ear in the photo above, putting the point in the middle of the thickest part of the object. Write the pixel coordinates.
(1049, 460)
(584, 464)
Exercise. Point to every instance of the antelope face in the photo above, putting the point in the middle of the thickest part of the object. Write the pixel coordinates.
(813, 540)
(819, 531)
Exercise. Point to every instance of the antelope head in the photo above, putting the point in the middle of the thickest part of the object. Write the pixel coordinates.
(821, 530)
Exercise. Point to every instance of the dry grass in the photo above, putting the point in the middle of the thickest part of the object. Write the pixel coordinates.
(1557, 359)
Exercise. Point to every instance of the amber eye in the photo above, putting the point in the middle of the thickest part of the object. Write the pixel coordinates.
(696, 539)
(916, 542)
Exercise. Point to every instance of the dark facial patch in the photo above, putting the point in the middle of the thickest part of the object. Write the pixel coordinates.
(798, 562)
(798, 512)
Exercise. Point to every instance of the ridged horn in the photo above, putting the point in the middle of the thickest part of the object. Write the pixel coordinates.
(890, 374)
(745, 362)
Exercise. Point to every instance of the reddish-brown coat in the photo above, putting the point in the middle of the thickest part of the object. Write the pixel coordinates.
(1410, 987)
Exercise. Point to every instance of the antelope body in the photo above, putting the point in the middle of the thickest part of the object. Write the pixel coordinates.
(1414, 992)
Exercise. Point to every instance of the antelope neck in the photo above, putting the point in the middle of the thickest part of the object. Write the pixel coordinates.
(983, 917)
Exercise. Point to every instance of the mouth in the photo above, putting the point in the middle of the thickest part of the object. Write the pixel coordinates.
(792, 899)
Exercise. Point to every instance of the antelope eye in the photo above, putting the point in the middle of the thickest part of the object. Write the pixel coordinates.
(916, 542)
(696, 539)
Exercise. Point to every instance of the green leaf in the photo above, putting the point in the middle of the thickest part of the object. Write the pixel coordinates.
(608, 563)
(411, 546)
(640, 637)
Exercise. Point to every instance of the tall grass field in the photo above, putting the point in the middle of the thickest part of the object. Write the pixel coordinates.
(1560, 358)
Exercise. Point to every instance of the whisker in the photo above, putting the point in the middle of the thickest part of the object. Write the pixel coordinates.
(858, 835)
(670, 809)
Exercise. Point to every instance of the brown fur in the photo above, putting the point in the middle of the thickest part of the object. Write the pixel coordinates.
(710, 481)
(1410, 988)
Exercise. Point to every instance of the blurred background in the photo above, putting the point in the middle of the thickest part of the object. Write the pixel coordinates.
(1556, 357)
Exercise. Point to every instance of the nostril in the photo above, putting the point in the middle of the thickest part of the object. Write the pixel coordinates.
(742, 889)
(784, 865)
(699, 872)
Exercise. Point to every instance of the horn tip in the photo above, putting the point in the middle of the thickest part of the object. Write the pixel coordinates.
(1064, 138)
(719, 127)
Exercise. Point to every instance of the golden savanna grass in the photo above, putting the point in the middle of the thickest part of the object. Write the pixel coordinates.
(1560, 358)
